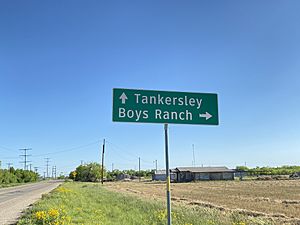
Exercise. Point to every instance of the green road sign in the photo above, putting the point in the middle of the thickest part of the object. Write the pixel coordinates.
(145, 106)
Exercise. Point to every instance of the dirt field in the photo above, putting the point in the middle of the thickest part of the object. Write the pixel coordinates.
(276, 199)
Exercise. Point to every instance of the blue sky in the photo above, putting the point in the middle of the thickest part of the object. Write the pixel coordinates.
(60, 60)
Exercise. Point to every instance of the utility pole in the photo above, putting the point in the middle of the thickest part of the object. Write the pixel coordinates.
(139, 169)
(44, 175)
(194, 156)
(35, 169)
(47, 165)
(30, 166)
(112, 167)
(102, 172)
(155, 161)
(9, 165)
(25, 156)
(54, 172)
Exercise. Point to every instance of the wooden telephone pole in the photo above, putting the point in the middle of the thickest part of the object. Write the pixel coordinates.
(102, 172)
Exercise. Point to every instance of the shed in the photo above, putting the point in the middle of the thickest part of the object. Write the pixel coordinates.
(186, 174)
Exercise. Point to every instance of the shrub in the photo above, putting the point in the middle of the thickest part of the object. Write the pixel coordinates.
(17, 176)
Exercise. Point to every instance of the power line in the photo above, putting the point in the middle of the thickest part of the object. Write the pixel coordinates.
(25, 156)
(10, 157)
(54, 172)
(117, 148)
(68, 149)
(7, 149)
(127, 165)
(121, 155)
(50, 153)
(122, 149)
(47, 165)
(147, 162)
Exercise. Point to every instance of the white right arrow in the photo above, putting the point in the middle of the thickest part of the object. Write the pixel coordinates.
(123, 97)
(206, 115)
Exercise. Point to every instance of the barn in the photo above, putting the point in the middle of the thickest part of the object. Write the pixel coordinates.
(187, 174)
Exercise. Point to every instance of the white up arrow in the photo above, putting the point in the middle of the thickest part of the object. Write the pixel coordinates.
(123, 97)
(206, 115)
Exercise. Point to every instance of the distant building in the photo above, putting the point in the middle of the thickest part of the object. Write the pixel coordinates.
(295, 175)
(123, 176)
(160, 175)
(241, 174)
(187, 174)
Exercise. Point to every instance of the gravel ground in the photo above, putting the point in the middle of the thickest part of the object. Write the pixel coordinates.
(14, 200)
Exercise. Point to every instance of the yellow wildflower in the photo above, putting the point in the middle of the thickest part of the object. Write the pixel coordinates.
(53, 212)
(40, 215)
(63, 190)
(239, 223)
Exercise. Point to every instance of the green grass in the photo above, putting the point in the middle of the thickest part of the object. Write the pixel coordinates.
(89, 204)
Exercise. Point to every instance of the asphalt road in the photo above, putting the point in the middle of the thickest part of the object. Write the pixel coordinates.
(14, 200)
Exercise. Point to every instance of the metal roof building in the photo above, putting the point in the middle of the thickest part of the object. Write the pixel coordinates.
(186, 174)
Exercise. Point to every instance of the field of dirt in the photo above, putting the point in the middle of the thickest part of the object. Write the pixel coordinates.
(276, 199)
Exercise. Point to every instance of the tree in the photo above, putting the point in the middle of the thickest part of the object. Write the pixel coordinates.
(17, 176)
(88, 173)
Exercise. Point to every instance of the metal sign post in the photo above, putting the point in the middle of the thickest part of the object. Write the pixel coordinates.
(148, 106)
(168, 176)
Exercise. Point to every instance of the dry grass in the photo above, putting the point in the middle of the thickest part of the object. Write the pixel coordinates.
(277, 199)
